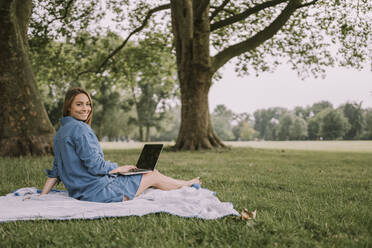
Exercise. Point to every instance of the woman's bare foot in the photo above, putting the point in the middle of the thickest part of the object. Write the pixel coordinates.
(192, 181)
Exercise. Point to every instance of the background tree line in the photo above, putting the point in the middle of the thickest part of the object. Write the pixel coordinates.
(321, 121)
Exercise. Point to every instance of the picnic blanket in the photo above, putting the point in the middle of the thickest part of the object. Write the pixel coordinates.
(28, 204)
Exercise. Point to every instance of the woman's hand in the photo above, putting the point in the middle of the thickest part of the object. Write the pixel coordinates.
(122, 169)
(49, 184)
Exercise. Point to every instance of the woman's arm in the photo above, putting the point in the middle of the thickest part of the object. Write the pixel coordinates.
(50, 182)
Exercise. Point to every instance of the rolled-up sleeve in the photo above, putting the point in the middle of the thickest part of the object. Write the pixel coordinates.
(53, 173)
(87, 148)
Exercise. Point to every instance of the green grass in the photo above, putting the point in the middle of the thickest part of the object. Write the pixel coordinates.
(303, 199)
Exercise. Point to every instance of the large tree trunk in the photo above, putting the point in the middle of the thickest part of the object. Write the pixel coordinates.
(191, 30)
(24, 125)
(196, 131)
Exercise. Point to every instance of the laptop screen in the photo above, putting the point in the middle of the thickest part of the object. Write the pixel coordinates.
(149, 156)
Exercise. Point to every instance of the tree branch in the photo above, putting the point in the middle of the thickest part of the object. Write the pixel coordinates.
(245, 14)
(308, 4)
(251, 43)
(69, 4)
(219, 9)
(144, 23)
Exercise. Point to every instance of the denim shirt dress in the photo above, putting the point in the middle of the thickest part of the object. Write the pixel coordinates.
(79, 163)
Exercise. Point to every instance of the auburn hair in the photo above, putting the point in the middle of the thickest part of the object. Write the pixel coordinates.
(69, 98)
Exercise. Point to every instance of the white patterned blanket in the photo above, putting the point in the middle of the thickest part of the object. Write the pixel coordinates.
(27, 204)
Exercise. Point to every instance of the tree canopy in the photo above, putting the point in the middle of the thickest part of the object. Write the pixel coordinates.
(263, 34)
(142, 77)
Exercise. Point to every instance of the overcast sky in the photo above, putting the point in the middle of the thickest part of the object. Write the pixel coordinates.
(284, 89)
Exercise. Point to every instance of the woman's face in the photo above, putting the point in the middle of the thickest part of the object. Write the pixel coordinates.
(80, 107)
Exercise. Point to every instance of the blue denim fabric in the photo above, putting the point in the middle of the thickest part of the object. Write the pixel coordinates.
(79, 162)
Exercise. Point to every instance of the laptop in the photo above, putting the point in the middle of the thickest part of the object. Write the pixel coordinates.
(147, 160)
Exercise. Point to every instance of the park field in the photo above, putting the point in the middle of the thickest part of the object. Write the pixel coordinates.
(338, 146)
(303, 198)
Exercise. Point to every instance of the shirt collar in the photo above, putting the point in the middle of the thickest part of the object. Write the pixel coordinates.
(67, 119)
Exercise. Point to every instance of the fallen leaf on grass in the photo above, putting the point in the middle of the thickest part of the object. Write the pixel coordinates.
(248, 215)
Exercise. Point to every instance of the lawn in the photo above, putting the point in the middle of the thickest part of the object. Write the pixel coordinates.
(303, 199)
(308, 145)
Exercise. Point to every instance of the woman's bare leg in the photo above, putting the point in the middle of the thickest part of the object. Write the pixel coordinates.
(160, 181)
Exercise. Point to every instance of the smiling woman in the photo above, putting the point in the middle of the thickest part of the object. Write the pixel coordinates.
(79, 161)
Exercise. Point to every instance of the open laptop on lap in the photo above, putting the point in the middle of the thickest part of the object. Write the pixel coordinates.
(147, 160)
